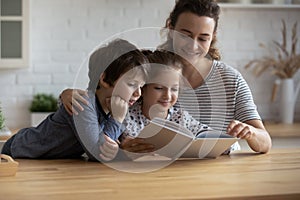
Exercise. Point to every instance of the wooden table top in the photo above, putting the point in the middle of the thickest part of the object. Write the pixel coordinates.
(275, 130)
(275, 175)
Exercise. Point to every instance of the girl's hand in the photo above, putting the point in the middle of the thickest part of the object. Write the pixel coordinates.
(136, 145)
(240, 130)
(71, 98)
(108, 149)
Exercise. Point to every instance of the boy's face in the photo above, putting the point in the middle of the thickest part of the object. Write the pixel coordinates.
(162, 92)
(128, 86)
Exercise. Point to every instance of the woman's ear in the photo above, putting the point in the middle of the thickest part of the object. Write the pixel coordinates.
(171, 30)
(102, 82)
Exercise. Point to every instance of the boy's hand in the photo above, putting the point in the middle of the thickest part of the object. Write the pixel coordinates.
(108, 149)
(118, 108)
(71, 98)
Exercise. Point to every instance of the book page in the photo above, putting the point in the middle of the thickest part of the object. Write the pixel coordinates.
(210, 133)
(173, 126)
(168, 138)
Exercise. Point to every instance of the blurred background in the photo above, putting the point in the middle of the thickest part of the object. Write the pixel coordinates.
(62, 33)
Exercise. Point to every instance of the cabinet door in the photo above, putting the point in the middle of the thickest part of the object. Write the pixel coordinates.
(14, 33)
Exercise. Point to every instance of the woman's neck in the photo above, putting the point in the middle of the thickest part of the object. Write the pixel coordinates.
(197, 73)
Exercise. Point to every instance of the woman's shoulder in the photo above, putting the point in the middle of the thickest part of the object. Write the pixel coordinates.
(224, 67)
(225, 71)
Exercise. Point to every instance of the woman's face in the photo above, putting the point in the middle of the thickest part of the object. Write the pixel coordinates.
(192, 35)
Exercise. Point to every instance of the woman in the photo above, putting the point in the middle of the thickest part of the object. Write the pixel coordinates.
(224, 100)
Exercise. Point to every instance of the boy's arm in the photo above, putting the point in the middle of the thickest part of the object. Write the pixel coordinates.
(91, 129)
(72, 99)
(109, 149)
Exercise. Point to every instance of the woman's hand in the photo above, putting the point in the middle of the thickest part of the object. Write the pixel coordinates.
(240, 130)
(108, 149)
(71, 99)
(254, 132)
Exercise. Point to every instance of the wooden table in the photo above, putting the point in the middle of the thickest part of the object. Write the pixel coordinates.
(241, 175)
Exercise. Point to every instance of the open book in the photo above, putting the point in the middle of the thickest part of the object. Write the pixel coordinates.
(173, 140)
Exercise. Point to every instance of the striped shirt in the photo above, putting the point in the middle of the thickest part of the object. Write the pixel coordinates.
(223, 97)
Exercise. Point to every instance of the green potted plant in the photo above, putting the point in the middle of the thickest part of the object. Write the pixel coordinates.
(41, 106)
(2, 119)
(4, 131)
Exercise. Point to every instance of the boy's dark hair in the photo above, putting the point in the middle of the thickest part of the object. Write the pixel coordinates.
(114, 59)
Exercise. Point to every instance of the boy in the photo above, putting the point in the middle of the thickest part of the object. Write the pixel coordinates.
(95, 130)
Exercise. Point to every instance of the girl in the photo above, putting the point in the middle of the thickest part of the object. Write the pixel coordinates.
(159, 95)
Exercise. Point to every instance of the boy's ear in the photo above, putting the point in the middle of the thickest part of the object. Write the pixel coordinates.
(102, 82)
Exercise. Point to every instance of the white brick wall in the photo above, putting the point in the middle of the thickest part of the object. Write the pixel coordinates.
(63, 32)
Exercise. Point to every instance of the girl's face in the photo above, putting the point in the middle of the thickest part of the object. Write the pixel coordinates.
(192, 35)
(129, 85)
(162, 93)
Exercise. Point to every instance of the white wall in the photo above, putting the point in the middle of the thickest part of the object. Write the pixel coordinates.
(63, 32)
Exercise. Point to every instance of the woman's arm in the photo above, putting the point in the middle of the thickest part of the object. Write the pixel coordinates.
(254, 132)
(252, 129)
(72, 99)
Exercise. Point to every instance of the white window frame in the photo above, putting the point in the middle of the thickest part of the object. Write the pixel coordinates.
(22, 62)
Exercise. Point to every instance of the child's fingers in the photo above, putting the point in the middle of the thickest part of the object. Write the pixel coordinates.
(109, 140)
(142, 148)
(109, 147)
(105, 158)
(128, 142)
(108, 152)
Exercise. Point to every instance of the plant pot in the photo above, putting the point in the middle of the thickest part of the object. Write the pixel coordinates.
(288, 98)
(38, 117)
(5, 133)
